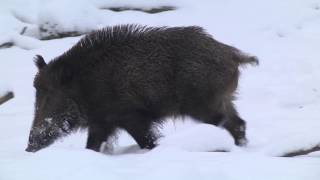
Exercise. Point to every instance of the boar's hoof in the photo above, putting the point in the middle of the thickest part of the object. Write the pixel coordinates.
(241, 142)
(29, 149)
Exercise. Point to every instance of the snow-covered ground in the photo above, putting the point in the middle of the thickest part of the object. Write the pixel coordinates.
(280, 99)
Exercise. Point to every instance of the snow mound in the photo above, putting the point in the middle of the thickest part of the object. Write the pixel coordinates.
(200, 138)
(23, 42)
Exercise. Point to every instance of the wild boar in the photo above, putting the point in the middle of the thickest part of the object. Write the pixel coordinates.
(132, 77)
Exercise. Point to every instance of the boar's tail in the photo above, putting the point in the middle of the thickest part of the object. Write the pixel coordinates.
(244, 59)
(252, 60)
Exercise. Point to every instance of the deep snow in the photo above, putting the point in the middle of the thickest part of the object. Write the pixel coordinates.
(280, 99)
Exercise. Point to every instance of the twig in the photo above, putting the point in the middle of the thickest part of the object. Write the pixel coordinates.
(300, 152)
(6, 97)
(6, 45)
(23, 30)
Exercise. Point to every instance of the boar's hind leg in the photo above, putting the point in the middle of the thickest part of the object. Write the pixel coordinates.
(97, 135)
(234, 124)
(139, 125)
(237, 128)
(227, 117)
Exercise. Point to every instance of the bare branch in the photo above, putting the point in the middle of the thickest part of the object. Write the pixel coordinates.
(6, 97)
(6, 45)
(300, 152)
(23, 30)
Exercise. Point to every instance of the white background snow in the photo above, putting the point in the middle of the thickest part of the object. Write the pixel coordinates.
(280, 99)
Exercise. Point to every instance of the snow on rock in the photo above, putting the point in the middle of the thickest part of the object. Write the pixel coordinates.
(82, 17)
(55, 19)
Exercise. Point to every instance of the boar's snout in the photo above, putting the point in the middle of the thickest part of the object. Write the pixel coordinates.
(33, 146)
(40, 138)
(31, 149)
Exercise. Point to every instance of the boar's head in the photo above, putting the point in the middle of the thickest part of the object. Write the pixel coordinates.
(56, 114)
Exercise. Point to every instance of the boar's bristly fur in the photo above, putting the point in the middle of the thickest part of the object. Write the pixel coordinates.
(132, 77)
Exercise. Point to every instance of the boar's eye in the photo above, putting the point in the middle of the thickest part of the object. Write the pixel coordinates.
(41, 89)
(38, 87)
(38, 84)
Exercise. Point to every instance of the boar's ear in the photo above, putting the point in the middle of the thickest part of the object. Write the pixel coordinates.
(39, 61)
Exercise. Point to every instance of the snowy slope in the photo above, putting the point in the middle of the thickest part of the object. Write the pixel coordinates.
(280, 99)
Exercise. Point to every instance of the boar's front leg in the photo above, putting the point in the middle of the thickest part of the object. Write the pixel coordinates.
(97, 135)
(138, 124)
(143, 135)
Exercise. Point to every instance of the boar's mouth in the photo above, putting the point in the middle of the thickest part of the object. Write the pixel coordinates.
(37, 142)
(43, 136)
(32, 149)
